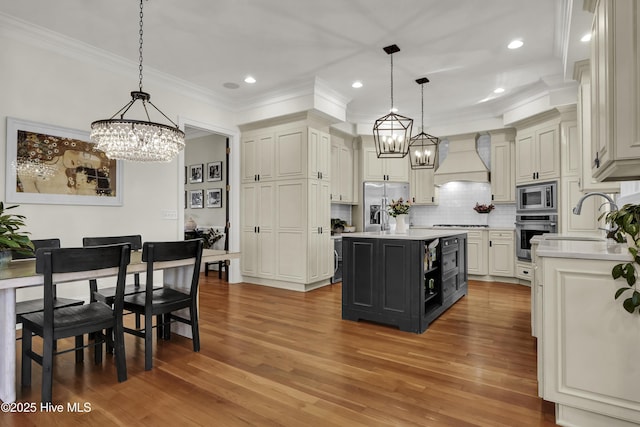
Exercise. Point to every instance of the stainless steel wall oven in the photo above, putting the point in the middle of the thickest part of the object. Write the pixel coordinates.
(528, 226)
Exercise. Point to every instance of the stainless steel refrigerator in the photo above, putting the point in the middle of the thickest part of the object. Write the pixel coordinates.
(377, 197)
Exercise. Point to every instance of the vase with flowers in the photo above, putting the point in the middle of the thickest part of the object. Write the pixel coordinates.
(399, 209)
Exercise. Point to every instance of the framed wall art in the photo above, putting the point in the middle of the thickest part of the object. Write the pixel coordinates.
(195, 174)
(214, 171)
(197, 199)
(214, 198)
(48, 164)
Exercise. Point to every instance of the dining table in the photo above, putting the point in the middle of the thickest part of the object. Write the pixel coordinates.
(22, 274)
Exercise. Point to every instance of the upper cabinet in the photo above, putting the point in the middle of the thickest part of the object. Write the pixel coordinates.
(341, 170)
(615, 91)
(423, 189)
(282, 152)
(503, 166)
(583, 148)
(538, 149)
(319, 155)
(375, 169)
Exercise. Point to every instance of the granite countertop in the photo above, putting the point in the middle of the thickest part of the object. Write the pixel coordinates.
(566, 246)
(411, 234)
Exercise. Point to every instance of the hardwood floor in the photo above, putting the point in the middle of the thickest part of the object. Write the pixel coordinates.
(274, 357)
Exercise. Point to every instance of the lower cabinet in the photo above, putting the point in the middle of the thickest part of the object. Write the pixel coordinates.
(396, 282)
(501, 253)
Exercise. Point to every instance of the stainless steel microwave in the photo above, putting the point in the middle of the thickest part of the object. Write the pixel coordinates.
(538, 197)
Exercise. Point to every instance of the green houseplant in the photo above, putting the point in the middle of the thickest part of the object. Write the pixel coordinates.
(625, 223)
(11, 239)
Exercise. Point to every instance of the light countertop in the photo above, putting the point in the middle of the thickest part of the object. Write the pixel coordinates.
(411, 234)
(489, 228)
(563, 246)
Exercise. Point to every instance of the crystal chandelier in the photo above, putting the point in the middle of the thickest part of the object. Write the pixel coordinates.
(391, 132)
(137, 140)
(423, 148)
(32, 168)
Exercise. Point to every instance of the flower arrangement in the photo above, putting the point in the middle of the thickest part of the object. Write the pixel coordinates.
(483, 208)
(399, 207)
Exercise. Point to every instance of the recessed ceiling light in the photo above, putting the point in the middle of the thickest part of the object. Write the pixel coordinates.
(586, 38)
(498, 90)
(515, 44)
(249, 80)
(357, 84)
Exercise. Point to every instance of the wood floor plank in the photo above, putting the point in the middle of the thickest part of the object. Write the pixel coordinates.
(271, 357)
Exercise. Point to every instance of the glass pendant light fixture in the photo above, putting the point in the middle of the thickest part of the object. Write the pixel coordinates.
(423, 148)
(391, 132)
(32, 168)
(137, 140)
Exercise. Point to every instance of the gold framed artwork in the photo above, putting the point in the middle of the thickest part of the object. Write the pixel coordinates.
(48, 164)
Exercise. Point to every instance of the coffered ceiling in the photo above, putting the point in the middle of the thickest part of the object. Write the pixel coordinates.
(460, 45)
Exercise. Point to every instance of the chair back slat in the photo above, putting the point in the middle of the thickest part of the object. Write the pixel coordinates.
(37, 244)
(134, 240)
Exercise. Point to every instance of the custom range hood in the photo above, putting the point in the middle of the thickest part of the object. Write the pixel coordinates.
(462, 162)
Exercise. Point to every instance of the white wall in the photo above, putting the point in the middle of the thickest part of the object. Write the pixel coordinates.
(72, 90)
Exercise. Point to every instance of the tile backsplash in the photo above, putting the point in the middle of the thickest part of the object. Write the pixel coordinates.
(342, 212)
(457, 200)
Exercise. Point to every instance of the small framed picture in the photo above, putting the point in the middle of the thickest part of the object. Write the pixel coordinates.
(214, 171)
(195, 174)
(197, 199)
(214, 198)
(185, 199)
(185, 174)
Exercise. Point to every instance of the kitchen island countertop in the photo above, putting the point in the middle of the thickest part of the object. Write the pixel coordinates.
(411, 234)
(563, 246)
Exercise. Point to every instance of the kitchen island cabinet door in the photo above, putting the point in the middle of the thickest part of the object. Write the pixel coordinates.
(379, 281)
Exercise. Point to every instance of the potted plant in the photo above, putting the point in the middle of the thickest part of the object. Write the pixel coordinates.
(10, 238)
(625, 224)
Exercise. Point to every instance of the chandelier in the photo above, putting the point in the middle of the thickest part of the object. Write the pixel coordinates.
(32, 168)
(423, 148)
(391, 132)
(137, 140)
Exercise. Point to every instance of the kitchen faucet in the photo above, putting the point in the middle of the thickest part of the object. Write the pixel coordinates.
(578, 207)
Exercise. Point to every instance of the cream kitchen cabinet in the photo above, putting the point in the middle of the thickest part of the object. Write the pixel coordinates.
(503, 166)
(319, 165)
(538, 152)
(477, 254)
(375, 169)
(587, 222)
(587, 183)
(320, 254)
(258, 221)
(501, 253)
(258, 157)
(615, 91)
(423, 189)
(524, 270)
(341, 171)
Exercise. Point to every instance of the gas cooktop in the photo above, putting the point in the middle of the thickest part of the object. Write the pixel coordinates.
(460, 226)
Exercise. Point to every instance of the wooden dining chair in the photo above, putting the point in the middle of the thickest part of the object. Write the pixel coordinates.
(75, 321)
(35, 305)
(162, 302)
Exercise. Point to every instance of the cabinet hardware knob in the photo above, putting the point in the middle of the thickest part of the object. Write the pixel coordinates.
(525, 271)
(597, 160)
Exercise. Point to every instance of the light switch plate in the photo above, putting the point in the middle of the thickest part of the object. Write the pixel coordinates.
(169, 214)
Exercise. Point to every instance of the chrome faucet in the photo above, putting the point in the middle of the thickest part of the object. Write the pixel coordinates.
(578, 207)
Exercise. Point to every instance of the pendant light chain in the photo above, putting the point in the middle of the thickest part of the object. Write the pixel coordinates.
(140, 48)
(391, 82)
(422, 105)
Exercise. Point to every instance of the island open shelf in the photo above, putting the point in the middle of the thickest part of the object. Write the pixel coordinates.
(396, 279)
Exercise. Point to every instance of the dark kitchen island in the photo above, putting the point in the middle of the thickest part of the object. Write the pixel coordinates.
(396, 279)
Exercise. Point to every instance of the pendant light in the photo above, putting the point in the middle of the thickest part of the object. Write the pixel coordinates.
(423, 148)
(391, 132)
(137, 140)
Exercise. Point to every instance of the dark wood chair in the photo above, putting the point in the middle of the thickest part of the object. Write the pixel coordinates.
(35, 305)
(162, 302)
(75, 321)
(224, 264)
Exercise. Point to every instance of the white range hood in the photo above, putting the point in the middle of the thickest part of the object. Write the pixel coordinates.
(462, 162)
